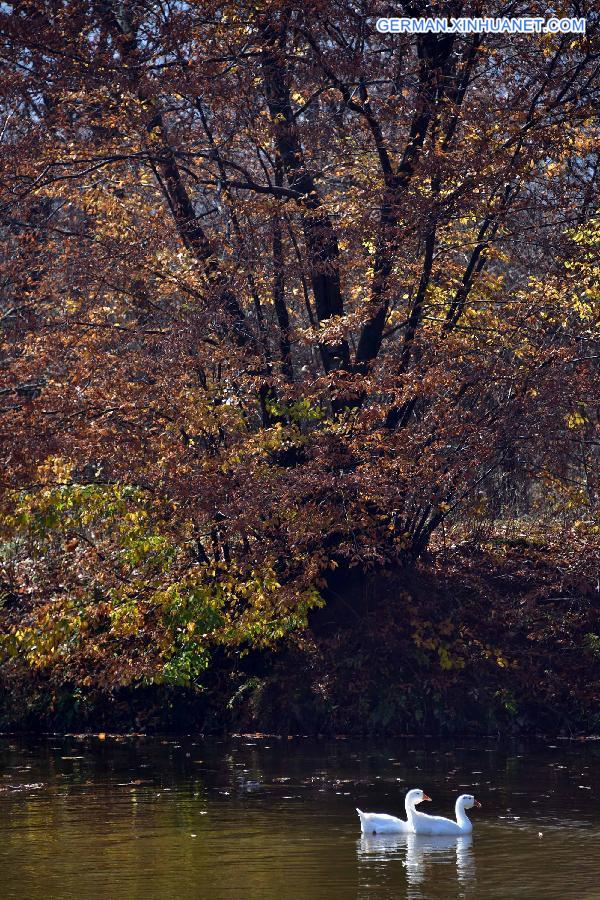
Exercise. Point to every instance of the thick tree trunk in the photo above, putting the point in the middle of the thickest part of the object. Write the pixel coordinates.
(188, 225)
(434, 55)
(321, 241)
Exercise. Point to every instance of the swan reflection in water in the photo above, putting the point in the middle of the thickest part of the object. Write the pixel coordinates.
(417, 851)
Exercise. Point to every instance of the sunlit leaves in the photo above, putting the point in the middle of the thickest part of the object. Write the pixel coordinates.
(130, 600)
(185, 466)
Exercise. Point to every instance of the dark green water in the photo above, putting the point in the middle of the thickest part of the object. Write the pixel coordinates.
(150, 819)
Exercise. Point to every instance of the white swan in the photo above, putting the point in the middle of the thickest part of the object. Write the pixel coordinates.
(381, 823)
(424, 824)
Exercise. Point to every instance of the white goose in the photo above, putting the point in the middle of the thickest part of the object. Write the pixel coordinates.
(381, 823)
(424, 824)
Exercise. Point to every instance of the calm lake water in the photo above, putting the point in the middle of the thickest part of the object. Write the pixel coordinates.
(252, 817)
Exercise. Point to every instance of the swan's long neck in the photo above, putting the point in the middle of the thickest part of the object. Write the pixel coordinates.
(461, 815)
(409, 806)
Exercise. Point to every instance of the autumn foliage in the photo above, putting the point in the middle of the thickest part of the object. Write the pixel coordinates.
(280, 296)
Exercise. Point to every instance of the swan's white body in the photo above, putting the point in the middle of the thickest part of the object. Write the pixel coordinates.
(381, 823)
(424, 824)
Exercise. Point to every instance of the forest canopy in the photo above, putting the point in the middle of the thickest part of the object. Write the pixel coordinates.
(280, 295)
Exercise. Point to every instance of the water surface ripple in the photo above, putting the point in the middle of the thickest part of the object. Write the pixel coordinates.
(265, 818)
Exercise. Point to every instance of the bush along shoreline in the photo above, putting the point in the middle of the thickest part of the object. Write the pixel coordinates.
(480, 640)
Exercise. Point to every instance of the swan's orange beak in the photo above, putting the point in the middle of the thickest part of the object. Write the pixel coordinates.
(478, 804)
(425, 797)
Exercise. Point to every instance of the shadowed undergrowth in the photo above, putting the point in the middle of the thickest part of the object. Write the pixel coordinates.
(503, 638)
